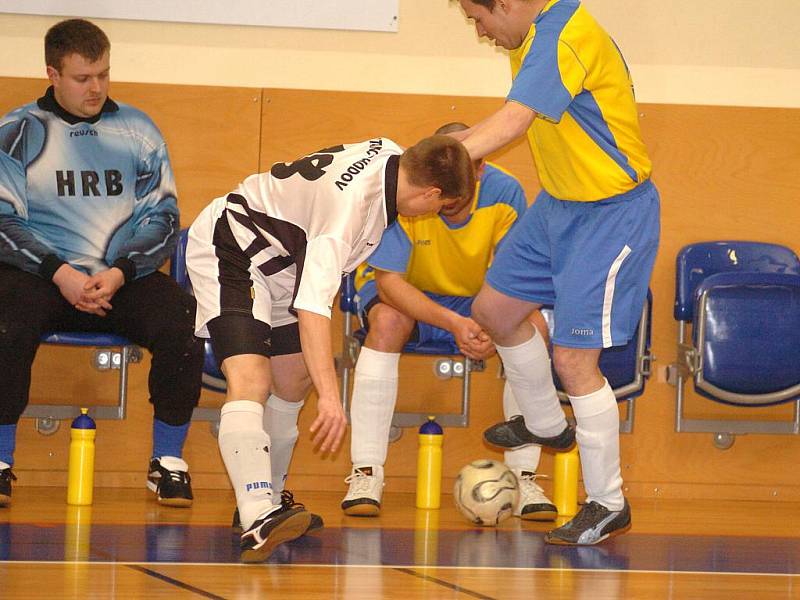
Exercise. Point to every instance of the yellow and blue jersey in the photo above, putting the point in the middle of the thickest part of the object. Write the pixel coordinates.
(586, 140)
(446, 259)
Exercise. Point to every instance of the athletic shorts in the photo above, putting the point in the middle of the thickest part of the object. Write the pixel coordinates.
(424, 333)
(227, 284)
(591, 261)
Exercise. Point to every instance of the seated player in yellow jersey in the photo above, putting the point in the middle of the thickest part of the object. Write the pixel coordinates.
(418, 287)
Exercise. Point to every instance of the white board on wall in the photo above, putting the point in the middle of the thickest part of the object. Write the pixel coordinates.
(369, 15)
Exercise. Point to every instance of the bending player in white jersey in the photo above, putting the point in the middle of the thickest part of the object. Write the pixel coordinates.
(266, 263)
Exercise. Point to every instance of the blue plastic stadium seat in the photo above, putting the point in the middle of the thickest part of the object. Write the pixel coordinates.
(626, 368)
(742, 300)
(451, 363)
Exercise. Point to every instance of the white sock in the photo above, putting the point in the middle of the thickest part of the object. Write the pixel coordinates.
(597, 432)
(527, 368)
(280, 423)
(527, 457)
(244, 446)
(372, 406)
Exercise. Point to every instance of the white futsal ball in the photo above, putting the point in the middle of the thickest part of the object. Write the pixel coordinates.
(486, 492)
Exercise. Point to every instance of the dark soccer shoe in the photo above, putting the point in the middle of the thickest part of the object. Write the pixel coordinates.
(287, 499)
(6, 477)
(282, 525)
(593, 524)
(514, 434)
(171, 487)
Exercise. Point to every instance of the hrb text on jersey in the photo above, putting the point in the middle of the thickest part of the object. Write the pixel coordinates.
(90, 183)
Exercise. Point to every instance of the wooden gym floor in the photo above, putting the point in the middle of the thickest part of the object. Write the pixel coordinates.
(127, 546)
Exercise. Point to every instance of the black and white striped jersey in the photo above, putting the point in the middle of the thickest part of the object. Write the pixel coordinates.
(321, 215)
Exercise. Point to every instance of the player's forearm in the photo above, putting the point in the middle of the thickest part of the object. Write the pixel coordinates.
(153, 241)
(315, 340)
(397, 292)
(20, 248)
(498, 130)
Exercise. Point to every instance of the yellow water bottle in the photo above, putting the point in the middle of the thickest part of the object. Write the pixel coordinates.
(80, 477)
(566, 467)
(429, 465)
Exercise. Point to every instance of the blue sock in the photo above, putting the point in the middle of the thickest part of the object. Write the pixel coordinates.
(168, 439)
(8, 441)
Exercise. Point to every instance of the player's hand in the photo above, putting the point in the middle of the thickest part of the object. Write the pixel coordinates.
(482, 347)
(471, 340)
(329, 426)
(70, 283)
(102, 286)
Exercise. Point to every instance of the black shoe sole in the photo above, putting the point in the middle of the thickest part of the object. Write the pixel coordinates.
(513, 434)
(362, 507)
(289, 529)
(542, 513)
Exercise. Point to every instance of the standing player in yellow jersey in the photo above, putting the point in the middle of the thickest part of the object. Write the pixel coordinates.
(419, 285)
(587, 244)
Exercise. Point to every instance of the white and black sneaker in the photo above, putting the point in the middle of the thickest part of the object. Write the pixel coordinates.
(169, 480)
(533, 505)
(286, 497)
(6, 477)
(593, 524)
(363, 499)
(284, 523)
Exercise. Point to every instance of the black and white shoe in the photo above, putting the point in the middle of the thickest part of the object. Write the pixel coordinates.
(514, 434)
(6, 477)
(533, 505)
(286, 496)
(169, 480)
(593, 524)
(286, 522)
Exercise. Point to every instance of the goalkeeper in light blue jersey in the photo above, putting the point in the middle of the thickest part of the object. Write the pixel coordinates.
(88, 214)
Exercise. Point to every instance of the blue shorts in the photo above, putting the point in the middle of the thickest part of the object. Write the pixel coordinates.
(591, 261)
(424, 333)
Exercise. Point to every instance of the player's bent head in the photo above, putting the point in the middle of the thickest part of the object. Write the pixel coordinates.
(74, 36)
(441, 162)
(449, 128)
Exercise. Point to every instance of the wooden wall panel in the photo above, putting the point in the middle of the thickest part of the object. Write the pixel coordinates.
(723, 172)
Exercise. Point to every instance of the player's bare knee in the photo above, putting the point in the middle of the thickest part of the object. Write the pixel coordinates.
(488, 318)
(388, 327)
(246, 383)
